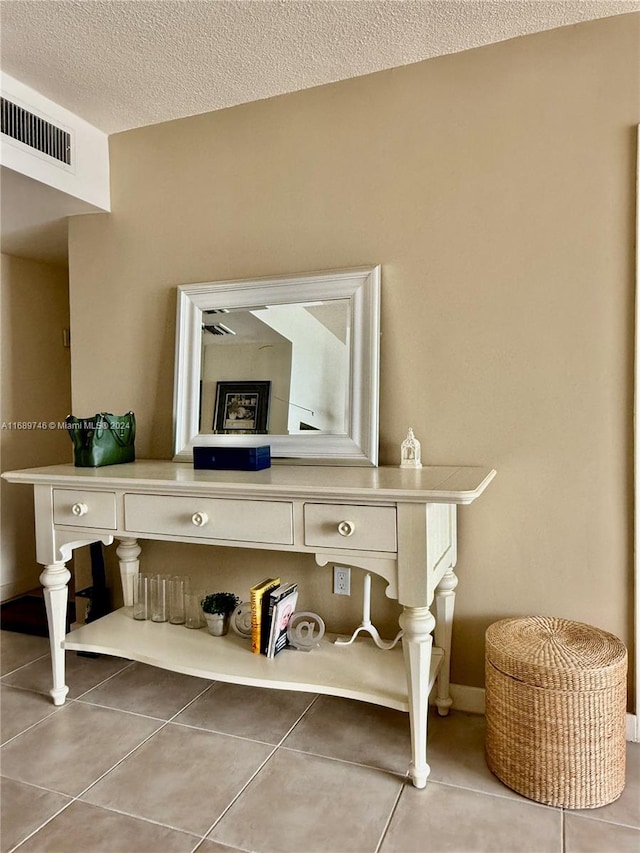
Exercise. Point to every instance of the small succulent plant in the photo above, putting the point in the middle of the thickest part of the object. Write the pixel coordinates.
(223, 603)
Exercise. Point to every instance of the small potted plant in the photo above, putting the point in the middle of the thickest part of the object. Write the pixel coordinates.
(217, 608)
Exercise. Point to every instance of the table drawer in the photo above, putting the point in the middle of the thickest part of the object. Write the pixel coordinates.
(269, 522)
(84, 508)
(362, 528)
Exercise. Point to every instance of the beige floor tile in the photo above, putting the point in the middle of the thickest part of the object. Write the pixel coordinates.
(354, 731)
(456, 753)
(442, 818)
(82, 673)
(301, 802)
(74, 747)
(584, 835)
(174, 779)
(20, 709)
(24, 809)
(207, 846)
(18, 649)
(252, 712)
(89, 829)
(626, 809)
(182, 777)
(147, 690)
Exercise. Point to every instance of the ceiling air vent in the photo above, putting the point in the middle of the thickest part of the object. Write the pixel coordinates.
(218, 329)
(35, 132)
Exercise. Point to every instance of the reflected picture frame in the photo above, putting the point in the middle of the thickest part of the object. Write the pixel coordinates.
(241, 407)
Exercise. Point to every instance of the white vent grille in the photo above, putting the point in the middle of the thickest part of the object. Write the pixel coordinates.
(35, 132)
(218, 329)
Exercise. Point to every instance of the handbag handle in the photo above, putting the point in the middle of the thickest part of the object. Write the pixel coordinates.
(123, 427)
(82, 430)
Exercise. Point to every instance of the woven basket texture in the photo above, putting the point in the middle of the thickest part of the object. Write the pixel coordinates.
(555, 710)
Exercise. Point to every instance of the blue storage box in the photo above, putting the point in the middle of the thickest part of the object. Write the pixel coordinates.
(232, 458)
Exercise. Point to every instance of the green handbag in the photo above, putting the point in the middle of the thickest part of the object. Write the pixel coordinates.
(104, 439)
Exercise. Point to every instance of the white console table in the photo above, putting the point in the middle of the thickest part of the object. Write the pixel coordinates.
(397, 523)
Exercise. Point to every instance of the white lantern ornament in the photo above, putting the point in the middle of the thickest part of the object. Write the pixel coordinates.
(410, 451)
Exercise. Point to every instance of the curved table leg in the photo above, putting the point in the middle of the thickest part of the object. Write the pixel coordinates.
(417, 624)
(54, 579)
(445, 600)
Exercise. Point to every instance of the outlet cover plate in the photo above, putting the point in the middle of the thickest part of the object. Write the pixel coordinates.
(341, 580)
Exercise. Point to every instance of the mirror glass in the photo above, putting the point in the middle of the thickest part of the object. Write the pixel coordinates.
(293, 359)
(300, 349)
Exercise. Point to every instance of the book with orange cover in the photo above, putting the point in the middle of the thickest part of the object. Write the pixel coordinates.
(256, 595)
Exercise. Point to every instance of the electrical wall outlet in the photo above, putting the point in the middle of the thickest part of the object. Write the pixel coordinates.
(341, 580)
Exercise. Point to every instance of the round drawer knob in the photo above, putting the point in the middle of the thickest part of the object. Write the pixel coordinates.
(346, 528)
(79, 509)
(199, 519)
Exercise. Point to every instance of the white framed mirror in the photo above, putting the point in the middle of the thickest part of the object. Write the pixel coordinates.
(288, 361)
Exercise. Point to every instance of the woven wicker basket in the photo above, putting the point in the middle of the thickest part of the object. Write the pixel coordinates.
(555, 710)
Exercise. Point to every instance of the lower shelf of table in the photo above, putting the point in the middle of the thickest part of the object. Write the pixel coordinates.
(359, 671)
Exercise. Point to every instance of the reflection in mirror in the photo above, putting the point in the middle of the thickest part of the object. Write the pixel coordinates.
(293, 357)
(300, 349)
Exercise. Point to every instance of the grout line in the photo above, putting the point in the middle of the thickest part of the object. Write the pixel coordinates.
(83, 703)
(33, 690)
(139, 713)
(399, 774)
(245, 738)
(119, 762)
(56, 710)
(580, 813)
(204, 690)
(113, 810)
(23, 665)
(258, 769)
(165, 723)
(234, 849)
(389, 819)
(77, 797)
(41, 693)
(213, 686)
(42, 825)
(293, 725)
(238, 795)
(105, 680)
(522, 800)
(29, 690)
(35, 785)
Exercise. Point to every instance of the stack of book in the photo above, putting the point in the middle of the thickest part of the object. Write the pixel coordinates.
(272, 605)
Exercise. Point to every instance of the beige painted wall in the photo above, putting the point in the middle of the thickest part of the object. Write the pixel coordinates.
(36, 387)
(495, 187)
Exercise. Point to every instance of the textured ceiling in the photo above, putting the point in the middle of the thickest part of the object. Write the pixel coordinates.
(120, 64)
(126, 63)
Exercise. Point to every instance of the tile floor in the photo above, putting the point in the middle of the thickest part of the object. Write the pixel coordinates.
(146, 761)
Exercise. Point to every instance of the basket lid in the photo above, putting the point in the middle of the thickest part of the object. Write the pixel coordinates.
(546, 651)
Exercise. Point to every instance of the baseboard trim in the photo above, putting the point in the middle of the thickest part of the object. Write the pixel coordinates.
(469, 699)
(472, 700)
